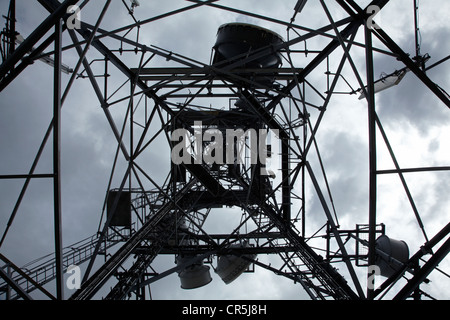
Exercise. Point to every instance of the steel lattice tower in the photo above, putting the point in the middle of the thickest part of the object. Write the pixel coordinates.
(252, 87)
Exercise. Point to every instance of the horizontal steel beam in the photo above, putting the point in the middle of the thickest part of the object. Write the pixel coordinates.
(412, 170)
(208, 71)
(225, 251)
(25, 176)
(158, 77)
(159, 74)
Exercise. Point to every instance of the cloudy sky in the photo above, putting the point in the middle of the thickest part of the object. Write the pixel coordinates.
(415, 121)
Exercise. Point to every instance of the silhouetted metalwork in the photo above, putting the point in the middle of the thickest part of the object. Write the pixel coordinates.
(252, 69)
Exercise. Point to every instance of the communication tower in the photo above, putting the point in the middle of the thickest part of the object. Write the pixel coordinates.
(240, 131)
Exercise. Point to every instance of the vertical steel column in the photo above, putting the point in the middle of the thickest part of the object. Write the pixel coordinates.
(12, 26)
(372, 152)
(57, 159)
(8, 288)
(416, 28)
(286, 183)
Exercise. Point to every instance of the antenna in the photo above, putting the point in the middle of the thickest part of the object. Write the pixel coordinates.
(394, 79)
(386, 82)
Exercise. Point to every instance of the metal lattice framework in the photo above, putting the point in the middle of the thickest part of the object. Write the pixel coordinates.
(163, 91)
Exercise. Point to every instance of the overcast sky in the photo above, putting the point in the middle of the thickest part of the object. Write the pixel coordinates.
(417, 123)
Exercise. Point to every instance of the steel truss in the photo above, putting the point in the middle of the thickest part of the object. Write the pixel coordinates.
(169, 216)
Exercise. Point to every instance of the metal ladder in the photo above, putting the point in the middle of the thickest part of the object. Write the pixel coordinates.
(95, 282)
